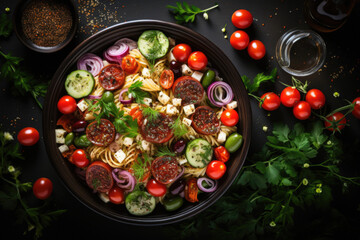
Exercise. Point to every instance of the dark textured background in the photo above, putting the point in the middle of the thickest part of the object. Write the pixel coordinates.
(340, 73)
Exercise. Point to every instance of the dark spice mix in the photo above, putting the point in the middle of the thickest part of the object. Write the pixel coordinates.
(47, 22)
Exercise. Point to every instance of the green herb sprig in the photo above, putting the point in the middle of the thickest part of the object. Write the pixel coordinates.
(6, 26)
(185, 13)
(150, 114)
(137, 93)
(179, 128)
(253, 86)
(164, 151)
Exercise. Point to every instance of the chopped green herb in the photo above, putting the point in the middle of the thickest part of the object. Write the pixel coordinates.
(185, 13)
(180, 129)
(150, 114)
(164, 151)
(137, 93)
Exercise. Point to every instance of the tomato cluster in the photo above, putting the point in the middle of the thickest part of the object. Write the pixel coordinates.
(240, 40)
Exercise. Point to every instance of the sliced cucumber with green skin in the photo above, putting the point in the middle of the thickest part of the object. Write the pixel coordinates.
(153, 44)
(140, 203)
(199, 153)
(79, 83)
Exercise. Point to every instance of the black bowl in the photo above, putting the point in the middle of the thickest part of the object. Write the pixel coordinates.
(97, 43)
(21, 5)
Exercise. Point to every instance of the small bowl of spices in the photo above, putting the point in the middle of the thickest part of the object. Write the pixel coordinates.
(45, 25)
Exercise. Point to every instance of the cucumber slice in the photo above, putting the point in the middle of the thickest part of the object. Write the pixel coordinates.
(199, 153)
(153, 44)
(140, 203)
(79, 83)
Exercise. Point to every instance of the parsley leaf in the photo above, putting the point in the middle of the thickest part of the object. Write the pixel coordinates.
(253, 86)
(150, 114)
(137, 93)
(185, 13)
(180, 129)
(140, 166)
(164, 151)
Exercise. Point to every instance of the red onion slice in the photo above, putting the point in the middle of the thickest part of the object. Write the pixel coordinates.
(91, 63)
(94, 96)
(124, 179)
(121, 97)
(131, 43)
(115, 53)
(180, 174)
(214, 91)
(210, 182)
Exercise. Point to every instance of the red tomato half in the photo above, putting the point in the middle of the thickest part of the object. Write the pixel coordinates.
(181, 52)
(229, 117)
(239, 40)
(270, 101)
(336, 122)
(155, 188)
(112, 77)
(116, 195)
(28, 136)
(130, 65)
(67, 105)
(242, 18)
(42, 188)
(256, 49)
(197, 61)
(222, 154)
(289, 96)
(302, 110)
(356, 111)
(315, 98)
(79, 158)
(216, 169)
(167, 79)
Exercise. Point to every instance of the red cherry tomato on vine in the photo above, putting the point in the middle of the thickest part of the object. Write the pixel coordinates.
(289, 96)
(79, 158)
(155, 188)
(242, 18)
(337, 122)
(256, 49)
(229, 117)
(222, 154)
(28, 136)
(116, 195)
(270, 101)
(42, 188)
(181, 52)
(356, 111)
(239, 40)
(67, 105)
(197, 61)
(302, 110)
(216, 169)
(315, 98)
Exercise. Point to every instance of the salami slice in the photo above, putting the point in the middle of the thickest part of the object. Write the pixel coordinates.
(205, 121)
(157, 131)
(98, 176)
(189, 90)
(165, 169)
(112, 77)
(101, 134)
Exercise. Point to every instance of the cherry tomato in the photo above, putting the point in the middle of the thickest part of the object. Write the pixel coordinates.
(289, 96)
(182, 52)
(270, 101)
(197, 61)
(302, 110)
(221, 154)
(167, 79)
(336, 121)
(67, 105)
(229, 117)
(42, 188)
(116, 195)
(191, 190)
(155, 188)
(239, 40)
(136, 113)
(356, 111)
(216, 169)
(315, 98)
(28, 136)
(242, 18)
(79, 158)
(130, 65)
(256, 49)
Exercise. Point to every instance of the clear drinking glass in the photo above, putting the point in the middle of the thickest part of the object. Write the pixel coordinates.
(300, 52)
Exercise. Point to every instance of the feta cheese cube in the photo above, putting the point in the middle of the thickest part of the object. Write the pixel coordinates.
(189, 109)
(145, 145)
(176, 102)
(146, 72)
(221, 137)
(104, 197)
(120, 155)
(83, 105)
(171, 110)
(186, 70)
(171, 57)
(163, 98)
(181, 160)
(63, 148)
(232, 105)
(187, 121)
(128, 141)
(147, 101)
(197, 75)
(60, 136)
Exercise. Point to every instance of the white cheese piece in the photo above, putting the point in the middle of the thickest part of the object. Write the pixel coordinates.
(60, 136)
(83, 105)
(105, 63)
(145, 145)
(189, 109)
(120, 155)
(63, 148)
(197, 75)
(181, 160)
(176, 102)
(163, 98)
(186, 70)
(89, 116)
(221, 137)
(171, 57)
(104, 197)
(171, 110)
(232, 105)
(147, 101)
(146, 73)
(128, 141)
(187, 121)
